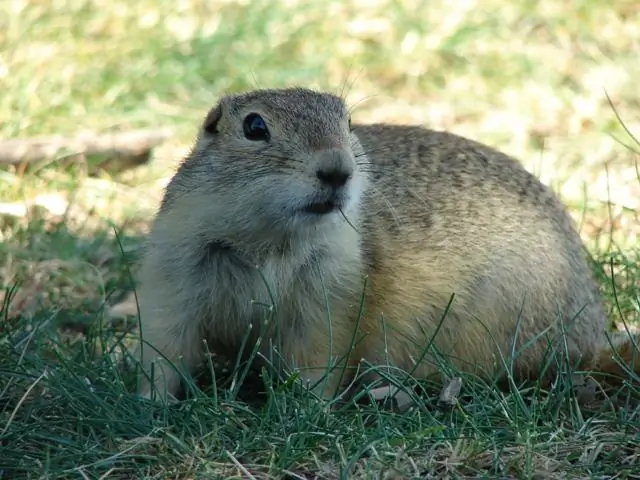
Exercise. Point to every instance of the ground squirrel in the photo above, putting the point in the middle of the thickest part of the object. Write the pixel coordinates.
(283, 209)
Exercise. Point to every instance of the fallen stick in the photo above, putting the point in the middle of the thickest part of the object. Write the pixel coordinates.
(132, 144)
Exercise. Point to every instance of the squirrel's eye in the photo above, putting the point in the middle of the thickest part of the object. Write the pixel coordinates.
(255, 127)
(349, 122)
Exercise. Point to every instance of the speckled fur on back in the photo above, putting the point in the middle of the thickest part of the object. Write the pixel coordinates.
(463, 219)
(423, 216)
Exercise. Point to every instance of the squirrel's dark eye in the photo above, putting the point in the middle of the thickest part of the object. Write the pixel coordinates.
(349, 122)
(255, 127)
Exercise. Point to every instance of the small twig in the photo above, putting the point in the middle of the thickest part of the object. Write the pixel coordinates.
(118, 144)
(21, 401)
(239, 465)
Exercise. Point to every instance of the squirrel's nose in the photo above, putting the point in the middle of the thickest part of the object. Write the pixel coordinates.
(333, 177)
(335, 168)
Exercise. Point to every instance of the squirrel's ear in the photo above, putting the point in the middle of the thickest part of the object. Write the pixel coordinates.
(212, 119)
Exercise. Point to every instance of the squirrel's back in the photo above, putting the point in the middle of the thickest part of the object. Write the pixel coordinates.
(447, 216)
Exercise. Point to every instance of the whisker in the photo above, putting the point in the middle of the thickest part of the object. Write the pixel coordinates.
(347, 220)
(352, 107)
(372, 151)
(414, 193)
(393, 211)
(346, 83)
(365, 162)
(378, 169)
(368, 167)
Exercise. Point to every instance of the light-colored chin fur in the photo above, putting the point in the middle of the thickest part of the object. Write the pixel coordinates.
(309, 227)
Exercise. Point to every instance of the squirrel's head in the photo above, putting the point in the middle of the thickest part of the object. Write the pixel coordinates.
(272, 162)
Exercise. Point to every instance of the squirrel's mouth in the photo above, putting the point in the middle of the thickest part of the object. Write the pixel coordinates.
(321, 208)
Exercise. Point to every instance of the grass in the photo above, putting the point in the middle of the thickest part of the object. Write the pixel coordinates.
(530, 80)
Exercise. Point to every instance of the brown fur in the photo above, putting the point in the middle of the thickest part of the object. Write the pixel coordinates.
(425, 215)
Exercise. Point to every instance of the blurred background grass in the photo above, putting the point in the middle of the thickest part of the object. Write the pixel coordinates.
(527, 78)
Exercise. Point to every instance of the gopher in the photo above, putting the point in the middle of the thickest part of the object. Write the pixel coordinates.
(327, 246)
